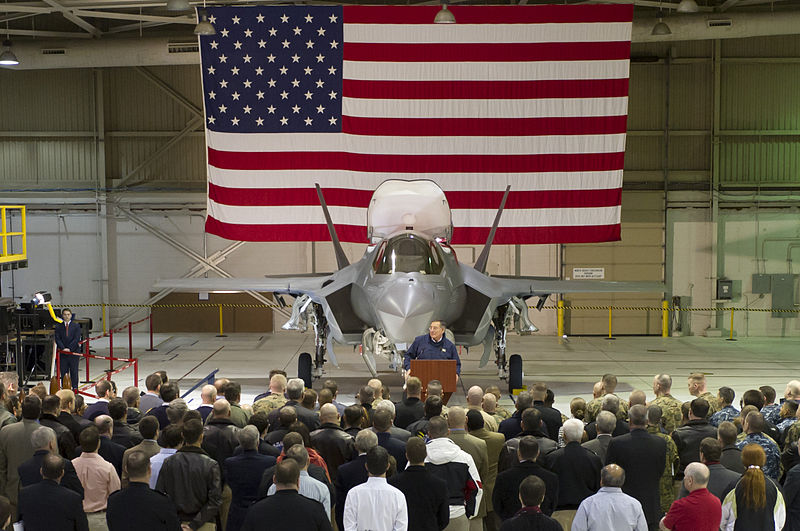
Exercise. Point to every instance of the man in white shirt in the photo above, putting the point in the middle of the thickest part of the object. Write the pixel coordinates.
(610, 509)
(309, 487)
(172, 440)
(376, 505)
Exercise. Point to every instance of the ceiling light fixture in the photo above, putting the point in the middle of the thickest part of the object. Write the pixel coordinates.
(178, 5)
(688, 6)
(444, 16)
(661, 27)
(8, 58)
(204, 27)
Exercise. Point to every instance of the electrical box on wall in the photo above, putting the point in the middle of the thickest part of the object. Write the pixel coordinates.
(762, 284)
(724, 289)
(783, 295)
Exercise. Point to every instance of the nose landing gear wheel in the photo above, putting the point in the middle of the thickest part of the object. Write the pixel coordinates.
(514, 372)
(304, 368)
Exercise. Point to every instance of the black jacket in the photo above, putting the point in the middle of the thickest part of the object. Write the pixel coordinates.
(264, 448)
(578, 471)
(732, 459)
(505, 497)
(407, 411)
(125, 434)
(243, 473)
(160, 413)
(334, 445)
(509, 457)
(71, 423)
(512, 426)
(95, 410)
(66, 441)
(287, 509)
(419, 428)
(30, 473)
(551, 417)
(687, 438)
(791, 496)
(395, 447)
(349, 475)
(528, 520)
(642, 456)
(219, 440)
(192, 481)
(48, 506)
(138, 507)
(426, 498)
(306, 416)
(110, 451)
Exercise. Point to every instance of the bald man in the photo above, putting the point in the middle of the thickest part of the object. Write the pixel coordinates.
(489, 405)
(475, 401)
(610, 509)
(275, 399)
(208, 394)
(331, 441)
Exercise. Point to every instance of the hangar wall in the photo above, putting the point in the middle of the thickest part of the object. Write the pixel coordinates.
(711, 172)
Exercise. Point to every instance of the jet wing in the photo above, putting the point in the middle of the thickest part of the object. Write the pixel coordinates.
(530, 287)
(290, 285)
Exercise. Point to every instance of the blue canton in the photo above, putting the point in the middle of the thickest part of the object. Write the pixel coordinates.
(274, 69)
(772, 413)
(772, 467)
(726, 414)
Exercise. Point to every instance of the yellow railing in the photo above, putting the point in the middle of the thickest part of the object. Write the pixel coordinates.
(6, 233)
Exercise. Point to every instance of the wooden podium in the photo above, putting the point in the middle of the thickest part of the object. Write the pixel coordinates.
(442, 370)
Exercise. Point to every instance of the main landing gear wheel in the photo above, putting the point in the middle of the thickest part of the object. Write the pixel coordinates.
(304, 368)
(514, 372)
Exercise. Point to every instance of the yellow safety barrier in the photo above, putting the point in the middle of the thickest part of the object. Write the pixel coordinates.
(665, 319)
(221, 333)
(560, 319)
(6, 255)
(610, 319)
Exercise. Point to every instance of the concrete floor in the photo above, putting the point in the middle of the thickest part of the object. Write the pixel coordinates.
(570, 367)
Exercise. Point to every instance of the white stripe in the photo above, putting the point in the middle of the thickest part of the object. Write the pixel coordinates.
(456, 108)
(304, 215)
(477, 33)
(482, 71)
(422, 145)
(478, 182)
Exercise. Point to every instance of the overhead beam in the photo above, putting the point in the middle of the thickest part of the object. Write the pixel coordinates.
(170, 90)
(134, 16)
(45, 33)
(78, 21)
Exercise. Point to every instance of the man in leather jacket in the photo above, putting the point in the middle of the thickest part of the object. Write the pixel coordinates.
(333, 443)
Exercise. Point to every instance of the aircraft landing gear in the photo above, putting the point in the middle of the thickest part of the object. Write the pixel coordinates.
(320, 325)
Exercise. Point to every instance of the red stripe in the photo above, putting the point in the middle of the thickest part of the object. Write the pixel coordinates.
(487, 51)
(320, 160)
(461, 90)
(590, 125)
(461, 235)
(457, 199)
(490, 14)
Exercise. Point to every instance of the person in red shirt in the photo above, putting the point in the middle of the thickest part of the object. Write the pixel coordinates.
(700, 510)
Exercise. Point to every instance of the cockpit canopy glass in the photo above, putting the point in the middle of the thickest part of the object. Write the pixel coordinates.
(408, 253)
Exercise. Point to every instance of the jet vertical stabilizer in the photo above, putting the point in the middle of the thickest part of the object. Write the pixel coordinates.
(341, 258)
(483, 258)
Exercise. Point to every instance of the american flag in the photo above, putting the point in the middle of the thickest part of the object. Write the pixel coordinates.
(534, 97)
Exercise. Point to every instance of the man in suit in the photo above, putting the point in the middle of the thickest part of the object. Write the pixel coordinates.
(531, 493)
(16, 447)
(105, 392)
(550, 416)
(642, 456)
(511, 427)
(354, 472)
(531, 425)
(476, 448)
(43, 440)
(578, 471)
(606, 422)
(494, 447)
(505, 497)
(426, 495)
(168, 391)
(68, 338)
(67, 407)
(731, 457)
(294, 392)
(381, 423)
(148, 429)
(137, 506)
(49, 418)
(720, 480)
(411, 408)
(243, 474)
(152, 398)
(48, 505)
(124, 434)
(398, 433)
(287, 509)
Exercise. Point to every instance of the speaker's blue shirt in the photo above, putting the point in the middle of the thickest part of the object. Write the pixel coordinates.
(425, 348)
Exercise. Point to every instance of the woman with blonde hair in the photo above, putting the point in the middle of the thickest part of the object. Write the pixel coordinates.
(756, 504)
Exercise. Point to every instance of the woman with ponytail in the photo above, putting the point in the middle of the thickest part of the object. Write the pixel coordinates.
(756, 504)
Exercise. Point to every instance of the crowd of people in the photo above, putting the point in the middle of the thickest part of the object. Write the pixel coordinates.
(298, 458)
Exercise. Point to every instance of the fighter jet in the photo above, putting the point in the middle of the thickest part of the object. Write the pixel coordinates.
(409, 275)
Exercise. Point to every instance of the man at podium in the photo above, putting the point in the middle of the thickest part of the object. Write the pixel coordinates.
(432, 346)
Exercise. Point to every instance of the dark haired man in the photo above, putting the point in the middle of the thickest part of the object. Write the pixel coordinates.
(172, 439)
(98, 477)
(124, 434)
(687, 438)
(68, 337)
(376, 504)
(233, 393)
(105, 392)
(433, 408)
(198, 506)
(505, 499)
(48, 505)
(169, 391)
(426, 495)
(531, 493)
(139, 507)
(152, 397)
(50, 411)
(727, 412)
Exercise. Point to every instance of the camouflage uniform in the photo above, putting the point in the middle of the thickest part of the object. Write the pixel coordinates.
(594, 407)
(502, 412)
(773, 466)
(726, 414)
(665, 486)
(772, 413)
(792, 434)
(269, 404)
(671, 414)
(785, 424)
(713, 403)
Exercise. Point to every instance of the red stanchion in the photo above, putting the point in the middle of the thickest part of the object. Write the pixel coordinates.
(150, 318)
(135, 372)
(111, 350)
(130, 339)
(86, 351)
(58, 366)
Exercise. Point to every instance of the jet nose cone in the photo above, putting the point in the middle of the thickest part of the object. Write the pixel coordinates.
(406, 309)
